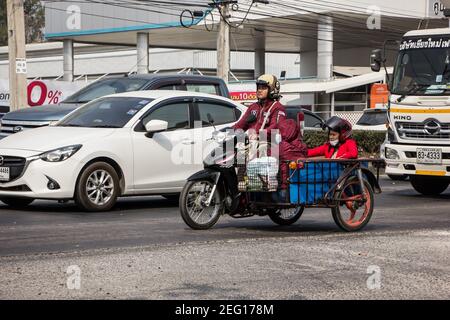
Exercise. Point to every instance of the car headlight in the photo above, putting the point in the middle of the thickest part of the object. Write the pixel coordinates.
(60, 154)
(391, 154)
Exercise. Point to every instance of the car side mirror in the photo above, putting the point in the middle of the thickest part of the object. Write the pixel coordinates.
(210, 118)
(376, 59)
(155, 126)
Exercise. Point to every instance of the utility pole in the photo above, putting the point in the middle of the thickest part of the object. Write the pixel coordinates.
(223, 42)
(17, 57)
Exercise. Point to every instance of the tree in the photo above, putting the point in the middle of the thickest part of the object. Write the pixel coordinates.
(3, 24)
(34, 22)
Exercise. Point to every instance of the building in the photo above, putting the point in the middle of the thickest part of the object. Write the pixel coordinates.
(318, 42)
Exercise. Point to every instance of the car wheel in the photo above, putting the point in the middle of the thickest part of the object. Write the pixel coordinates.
(97, 188)
(16, 202)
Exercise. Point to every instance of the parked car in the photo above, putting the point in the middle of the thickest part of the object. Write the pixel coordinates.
(30, 118)
(372, 119)
(311, 120)
(119, 145)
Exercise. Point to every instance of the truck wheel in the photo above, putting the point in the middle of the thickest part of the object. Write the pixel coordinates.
(97, 188)
(429, 186)
(18, 203)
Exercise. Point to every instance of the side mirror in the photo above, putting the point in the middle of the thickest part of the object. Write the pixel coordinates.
(251, 118)
(376, 59)
(210, 118)
(154, 126)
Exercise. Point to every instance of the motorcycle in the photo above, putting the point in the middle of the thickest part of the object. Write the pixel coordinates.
(223, 187)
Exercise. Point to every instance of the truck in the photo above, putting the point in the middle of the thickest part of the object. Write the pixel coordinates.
(418, 136)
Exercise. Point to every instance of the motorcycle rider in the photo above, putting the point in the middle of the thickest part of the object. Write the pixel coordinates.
(267, 112)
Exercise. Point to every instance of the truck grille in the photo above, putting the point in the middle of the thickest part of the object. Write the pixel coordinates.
(9, 126)
(427, 130)
(16, 166)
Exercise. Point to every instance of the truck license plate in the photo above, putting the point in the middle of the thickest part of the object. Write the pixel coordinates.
(4, 173)
(429, 155)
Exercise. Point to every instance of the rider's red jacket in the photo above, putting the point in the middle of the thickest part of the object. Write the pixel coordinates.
(277, 114)
(346, 150)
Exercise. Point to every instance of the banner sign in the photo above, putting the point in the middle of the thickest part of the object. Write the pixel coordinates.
(243, 96)
(41, 92)
(425, 43)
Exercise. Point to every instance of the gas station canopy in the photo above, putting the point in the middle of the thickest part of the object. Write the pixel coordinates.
(118, 24)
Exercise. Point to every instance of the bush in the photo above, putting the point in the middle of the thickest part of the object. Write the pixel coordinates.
(369, 142)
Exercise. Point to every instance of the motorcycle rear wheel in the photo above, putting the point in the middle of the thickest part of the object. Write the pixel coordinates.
(193, 210)
(286, 217)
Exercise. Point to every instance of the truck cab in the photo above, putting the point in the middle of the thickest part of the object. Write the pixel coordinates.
(418, 137)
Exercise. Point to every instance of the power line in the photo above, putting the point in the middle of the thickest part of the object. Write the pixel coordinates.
(176, 15)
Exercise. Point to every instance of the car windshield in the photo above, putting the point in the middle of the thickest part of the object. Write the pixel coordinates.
(373, 119)
(112, 112)
(423, 67)
(105, 87)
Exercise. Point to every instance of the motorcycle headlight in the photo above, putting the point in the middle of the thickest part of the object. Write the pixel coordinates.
(60, 154)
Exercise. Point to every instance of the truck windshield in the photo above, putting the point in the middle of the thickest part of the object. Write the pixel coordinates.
(423, 67)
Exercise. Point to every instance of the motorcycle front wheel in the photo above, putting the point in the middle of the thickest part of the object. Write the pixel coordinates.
(193, 207)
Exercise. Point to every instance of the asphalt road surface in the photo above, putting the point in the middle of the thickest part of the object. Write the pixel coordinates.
(143, 250)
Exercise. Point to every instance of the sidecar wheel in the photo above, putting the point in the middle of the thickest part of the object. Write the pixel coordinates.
(352, 214)
(193, 211)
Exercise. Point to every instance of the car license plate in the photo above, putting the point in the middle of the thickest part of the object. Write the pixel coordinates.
(429, 155)
(4, 173)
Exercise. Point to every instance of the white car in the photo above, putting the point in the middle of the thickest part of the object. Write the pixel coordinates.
(373, 119)
(119, 145)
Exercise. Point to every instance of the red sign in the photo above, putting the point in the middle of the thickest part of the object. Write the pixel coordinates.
(243, 95)
(43, 94)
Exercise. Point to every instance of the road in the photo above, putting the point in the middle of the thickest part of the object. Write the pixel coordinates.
(143, 250)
